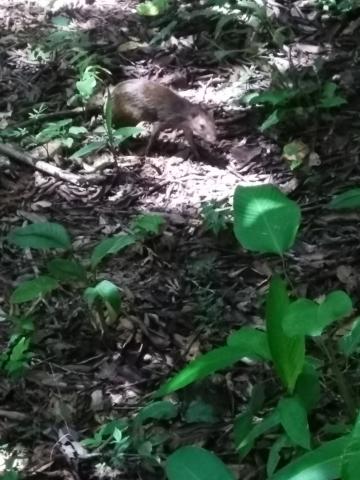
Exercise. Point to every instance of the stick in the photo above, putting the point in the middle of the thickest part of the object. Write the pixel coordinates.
(40, 165)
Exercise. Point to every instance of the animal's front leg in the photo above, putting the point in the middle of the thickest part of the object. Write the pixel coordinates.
(156, 129)
(190, 138)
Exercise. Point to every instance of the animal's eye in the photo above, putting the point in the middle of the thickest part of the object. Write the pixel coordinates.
(202, 126)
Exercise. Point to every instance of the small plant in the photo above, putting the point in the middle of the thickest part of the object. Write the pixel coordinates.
(62, 130)
(259, 225)
(111, 137)
(120, 438)
(217, 217)
(15, 359)
(102, 297)
(299, 102)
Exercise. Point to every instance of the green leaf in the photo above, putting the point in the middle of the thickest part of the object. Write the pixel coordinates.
(333, 102)
(251, 339)
(223, 21)
(273, 97)
(273, 119)
(301, 318)
(202, 367)
(196, 463)
(243, 425)
(10, 475)
(89, 148)
(124, 133)
(110, 246)
(305, 317)
(67, 142)
(308, 387)
(53, 130)
(329, 96)
(288, 353)
(86, 85)
(293, 418)
(347, 200)
(336, 306)
(109, 293)
(161, 410)
(152, 8)
(163, 33)
(324, 463)
(351, 457)
(32, 289)
(274, 454)
(66, 270)
(149, 223)
(77, 131)
(104, 432)
(24, 325)
(295, 152)
(40, 236)
(350, 342)
(244, 430)
(268, 423)
(199, 411)
(259, 214)
(351, 461)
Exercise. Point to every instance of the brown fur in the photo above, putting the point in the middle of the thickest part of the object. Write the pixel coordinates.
(139, 100)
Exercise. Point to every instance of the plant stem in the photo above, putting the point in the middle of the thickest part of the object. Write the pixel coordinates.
(344, 388)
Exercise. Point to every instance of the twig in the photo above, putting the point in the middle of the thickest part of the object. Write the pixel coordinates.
(40, 165)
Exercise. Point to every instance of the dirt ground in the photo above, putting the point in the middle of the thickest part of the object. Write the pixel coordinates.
(187, 289)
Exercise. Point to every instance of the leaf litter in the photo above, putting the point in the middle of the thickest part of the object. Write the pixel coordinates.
(185, 290)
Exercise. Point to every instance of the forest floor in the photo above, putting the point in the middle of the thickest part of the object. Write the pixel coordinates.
(185, 290)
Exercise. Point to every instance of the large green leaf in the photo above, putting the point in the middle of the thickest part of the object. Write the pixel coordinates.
(274, 453)
(88, 148)
(148, 223)
(40, 236)
(346, 200)
(351, 458)
(293, 418)
(265, 220)
(251, 340)
(202, 367)
(288, 353)
(305, 317)
(66, 270)
(269, 422)
(194, 463)
(32, 289)
(324, 463)
(301, 317)
(200, 412)
(110, 246)
(308, 386)
(336, 306)
(161, 410)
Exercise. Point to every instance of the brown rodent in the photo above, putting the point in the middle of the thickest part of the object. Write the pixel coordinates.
(139, 100)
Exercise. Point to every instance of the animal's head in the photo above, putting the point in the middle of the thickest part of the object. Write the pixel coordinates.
(202, 124)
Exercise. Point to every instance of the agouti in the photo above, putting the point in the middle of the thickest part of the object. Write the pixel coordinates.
(139, 100)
